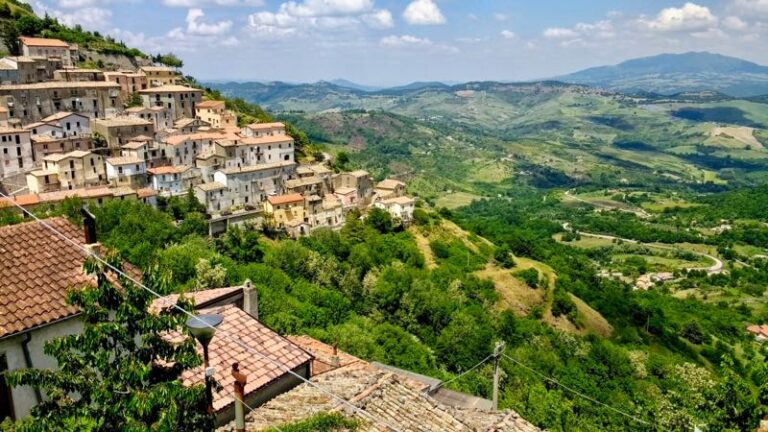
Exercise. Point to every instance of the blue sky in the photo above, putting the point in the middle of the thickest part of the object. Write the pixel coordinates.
(388, 42)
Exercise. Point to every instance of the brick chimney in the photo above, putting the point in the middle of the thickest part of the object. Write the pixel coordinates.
(89, 224)
(250, 299)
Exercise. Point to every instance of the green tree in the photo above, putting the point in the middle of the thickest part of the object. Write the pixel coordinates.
(503, 257)
(10, 35)
(380, 219)
(169, 59)
(119, 373)
(240, 244)
(29, 25)
(134, 100)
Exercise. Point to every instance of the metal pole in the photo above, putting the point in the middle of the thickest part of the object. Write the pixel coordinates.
(496, 360)
(208, 384)
(240, 380)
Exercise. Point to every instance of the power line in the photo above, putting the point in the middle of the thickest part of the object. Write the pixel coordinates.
(223, 333)
(442, 384)
(578, 393)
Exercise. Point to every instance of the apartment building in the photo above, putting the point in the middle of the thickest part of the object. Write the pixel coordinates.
(130, 82)
(121, 130)
(27, 70)
(73, 170)
(286, 210)
(15, 152)
(44, 145)
(49, 48)
(358, 180)
(30, 103)
(158, 76)
(325, 212)
(145, 149)
(257, 130)
(216, 114)
(399, 207)
(77, 74)
(184, 149)
(126, 171)
(251, 185)
(62, 125)
(211, 194)
(390, 188)
(173, 180)
(159, 116)
(180, 100)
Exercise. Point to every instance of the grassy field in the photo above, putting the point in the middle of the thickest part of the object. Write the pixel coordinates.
(456, 199)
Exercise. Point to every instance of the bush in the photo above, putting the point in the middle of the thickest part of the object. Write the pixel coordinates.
(503, 257)
(530, 276)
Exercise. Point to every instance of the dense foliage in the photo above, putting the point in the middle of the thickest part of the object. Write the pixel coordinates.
(119, 373)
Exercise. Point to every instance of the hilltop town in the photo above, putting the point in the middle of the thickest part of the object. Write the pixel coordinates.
(140, 134)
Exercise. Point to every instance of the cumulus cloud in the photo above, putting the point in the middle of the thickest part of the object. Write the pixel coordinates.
(689, 18)
(559, 33)
(196, 27)
(404, 40)
(498, 16)
(507, 34)
(751, 7)
(734, 23)
(91, 18)
(293, 18)
(423, 12)
(201, 3)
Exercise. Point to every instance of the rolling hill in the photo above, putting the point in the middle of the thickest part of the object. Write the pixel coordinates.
(675, 73)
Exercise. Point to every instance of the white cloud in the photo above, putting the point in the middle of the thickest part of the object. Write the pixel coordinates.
(404, 40)
(734, 23)
(507, 34)
(196, 27)
(559, 33)
(600, 29)
(201, 3)
(91, 18)
(294, 18)
(380, 19)
(318, 8)
(423, 12)
(751, 7)
(498, 16)
(689, 18)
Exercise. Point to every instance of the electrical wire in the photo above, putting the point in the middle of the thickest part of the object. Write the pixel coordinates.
(443, 384)
(222, 333)
(578, 393)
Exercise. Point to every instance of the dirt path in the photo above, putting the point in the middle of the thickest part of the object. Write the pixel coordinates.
(637, 211)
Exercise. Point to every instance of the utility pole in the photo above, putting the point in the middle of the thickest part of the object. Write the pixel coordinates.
(497, 352)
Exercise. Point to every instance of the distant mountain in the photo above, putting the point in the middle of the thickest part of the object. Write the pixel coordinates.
(678, 73)
(354, 86)
(418, 85)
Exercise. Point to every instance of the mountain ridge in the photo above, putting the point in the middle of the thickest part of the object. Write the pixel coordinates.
(668, 74)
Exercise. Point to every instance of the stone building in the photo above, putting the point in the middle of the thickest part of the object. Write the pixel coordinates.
(33, 102)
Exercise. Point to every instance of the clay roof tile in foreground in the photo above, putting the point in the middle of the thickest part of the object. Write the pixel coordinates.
(37, 270)
(43, 42)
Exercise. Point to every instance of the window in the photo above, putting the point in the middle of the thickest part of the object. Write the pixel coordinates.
(6, 398)
(119, 170)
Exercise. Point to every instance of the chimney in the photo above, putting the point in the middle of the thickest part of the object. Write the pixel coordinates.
(335, 360)
(89, 223)
(250, 299)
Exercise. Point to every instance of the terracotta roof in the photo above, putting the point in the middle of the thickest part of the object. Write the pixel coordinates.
(259, 167)
(170, 89)
(223, 352)
(31, 41)
(206, 187)
(164, 170)
(158, 69)
(178, 139)
(211, 104)
(403, 200)
(285, 199)
(124, 160)
(63, 85)
(133, 145)
(22, 200)
(61, 115)
(389, 184)
(300, 182)
(390, 397)
(122, 121)
(198, 298)
(36, 272)
(265, 126)
(146, 193)
(267, 139)
(326, 357)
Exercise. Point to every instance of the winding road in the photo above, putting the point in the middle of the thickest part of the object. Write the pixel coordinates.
(715, 268)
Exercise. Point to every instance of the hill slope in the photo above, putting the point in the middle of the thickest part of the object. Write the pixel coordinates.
(674, 73)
